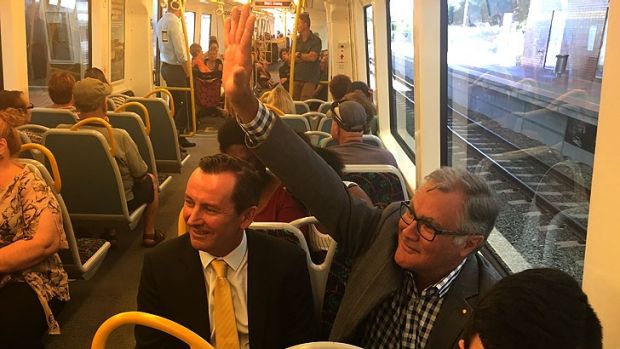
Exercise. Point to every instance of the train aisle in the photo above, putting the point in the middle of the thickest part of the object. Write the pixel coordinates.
(114, 287)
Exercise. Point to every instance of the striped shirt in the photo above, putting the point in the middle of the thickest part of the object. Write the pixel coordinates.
(406, 319)
(258, 129)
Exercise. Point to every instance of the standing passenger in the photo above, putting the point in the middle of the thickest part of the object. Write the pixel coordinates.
(285, 68)
(416, 272)
(174, 64)
(267, 278)
(307, 65)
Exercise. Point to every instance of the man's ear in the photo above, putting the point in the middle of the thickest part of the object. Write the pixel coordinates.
(471, 244)
(461, 344)
(247, 216)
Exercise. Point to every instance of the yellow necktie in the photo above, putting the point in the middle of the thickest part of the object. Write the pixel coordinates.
(226, 336)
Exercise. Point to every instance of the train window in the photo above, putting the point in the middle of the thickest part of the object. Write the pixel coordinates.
(57, 38)
(117, 36)
(190, 23)
(522, 111)
(401, 68)
(205, 30)
(370, 47)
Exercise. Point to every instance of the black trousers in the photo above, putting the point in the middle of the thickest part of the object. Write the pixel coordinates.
(22, 320)
(175, 77)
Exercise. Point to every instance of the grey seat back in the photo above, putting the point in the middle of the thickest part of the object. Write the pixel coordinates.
(325, 124)
(93, 189)
(297, 122)
(313, 119)
(384, 184)
(132, 123)
(164, 137)
(51, 117)
(301, 107)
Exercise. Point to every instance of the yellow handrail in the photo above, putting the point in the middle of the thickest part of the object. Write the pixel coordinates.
(291, 80)
(274, 109)
(147, 118)
(149, 320)
(171, 110)
(96, 120)
(50, 157)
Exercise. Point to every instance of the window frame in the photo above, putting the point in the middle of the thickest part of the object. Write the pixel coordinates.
(365, 9)
(112, 81)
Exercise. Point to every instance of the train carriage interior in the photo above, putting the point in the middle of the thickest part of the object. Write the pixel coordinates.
(517, 92)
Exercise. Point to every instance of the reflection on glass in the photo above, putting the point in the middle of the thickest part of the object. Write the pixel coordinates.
(401, 52)
(57, 38)
(523, 101)
(190, 20)
(370, 47)
(117, 36)
(205, 30)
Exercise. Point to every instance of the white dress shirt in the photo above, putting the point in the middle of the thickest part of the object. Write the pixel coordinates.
(237, 276)
(171, 40)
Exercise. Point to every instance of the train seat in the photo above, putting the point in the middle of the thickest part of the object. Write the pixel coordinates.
(164, 137)
(133, 124)
(313, 119)
(301, 107)
(384, 184)
(297, 122)
(368, 139)
(325, 124)
(314, 104)
(85, 255)
(93, 190)
(52, 117)
(325, 107)
(316, 137)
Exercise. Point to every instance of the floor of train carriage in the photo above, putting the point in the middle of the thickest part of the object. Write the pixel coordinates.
(114, 287)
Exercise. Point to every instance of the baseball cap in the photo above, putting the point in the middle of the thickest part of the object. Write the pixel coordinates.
(349, 115)
(89, 94)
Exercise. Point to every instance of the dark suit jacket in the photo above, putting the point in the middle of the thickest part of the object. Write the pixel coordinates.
(280, 307)
(369, 235)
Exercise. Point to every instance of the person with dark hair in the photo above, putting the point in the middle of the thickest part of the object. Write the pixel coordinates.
(268, 277)
(141, 187)
(275, 203)
(535, 309)
(339, 86)
(174, 65)
(285, 68)
(416, 270)
(60, 89)
(371, 111)
(96, 73)
(362, 87)
(33, 284)
(307, 65)
(15, 100)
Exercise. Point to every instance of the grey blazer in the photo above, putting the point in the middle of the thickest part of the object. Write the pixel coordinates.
(369, 235)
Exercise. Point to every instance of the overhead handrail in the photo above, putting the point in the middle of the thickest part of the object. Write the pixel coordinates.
(147, 118)
(145, 319)
(171, 110)
(95, 120)
(50, 157)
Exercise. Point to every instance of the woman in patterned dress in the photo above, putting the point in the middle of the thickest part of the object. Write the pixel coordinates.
(33, 284)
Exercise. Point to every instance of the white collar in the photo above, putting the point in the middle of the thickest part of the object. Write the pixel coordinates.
(233, 259)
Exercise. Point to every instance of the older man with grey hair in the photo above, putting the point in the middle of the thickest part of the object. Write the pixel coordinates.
(416, 275)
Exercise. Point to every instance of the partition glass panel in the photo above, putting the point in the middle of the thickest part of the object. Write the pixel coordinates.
(190, 23)
(57, 39)
(370, 47)
(205, 31)
(117, 35)
(400, 63)
(523, 87)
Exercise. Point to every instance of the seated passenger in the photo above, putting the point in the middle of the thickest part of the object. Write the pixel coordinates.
(275, 203)
(320, 92)
(534, 309)
(208, 77)
(285, 69)
(371, 112)
(339, 86)
(363, 88)
(98, 74)
(60, 90)
(33, 283)
(349, 123)
(17, 100)
(266, 278)
(90, 97)
(279, 98)
(415, 265)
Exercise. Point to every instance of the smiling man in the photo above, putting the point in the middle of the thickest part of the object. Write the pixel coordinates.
(267, 279)
(416, 274)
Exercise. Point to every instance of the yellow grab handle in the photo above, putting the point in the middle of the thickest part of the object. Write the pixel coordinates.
(50, 157)
(171, 110)
(100, 121)
(147, 118)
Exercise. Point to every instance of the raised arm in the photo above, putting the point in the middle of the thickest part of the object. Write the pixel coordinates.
(238, 30)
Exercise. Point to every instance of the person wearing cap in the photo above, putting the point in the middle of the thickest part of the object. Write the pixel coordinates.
(307, 64)
(349, 122)
(90, 98)
(416, 274)
(175, 64)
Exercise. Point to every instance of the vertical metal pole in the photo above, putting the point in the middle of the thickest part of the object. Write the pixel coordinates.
(291, 79)
(189, 68)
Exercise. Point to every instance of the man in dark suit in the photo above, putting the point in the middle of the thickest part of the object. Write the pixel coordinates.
(416, 275)
(268, 278)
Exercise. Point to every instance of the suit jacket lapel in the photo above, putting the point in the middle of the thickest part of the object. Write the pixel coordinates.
(456, 308)
(192, 293)
(258, 291)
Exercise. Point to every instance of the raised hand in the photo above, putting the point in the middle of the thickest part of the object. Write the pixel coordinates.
(238, 30)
